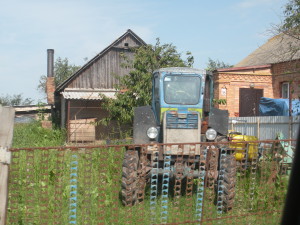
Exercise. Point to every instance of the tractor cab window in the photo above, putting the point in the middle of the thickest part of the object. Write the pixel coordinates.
(207, 95)
(156, 88)
(183, 90)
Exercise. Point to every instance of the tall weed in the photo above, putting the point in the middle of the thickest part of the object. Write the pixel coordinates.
(34, 135)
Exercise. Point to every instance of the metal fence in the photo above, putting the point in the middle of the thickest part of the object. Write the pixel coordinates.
(82, 128)
(266, 127)
(243, 183)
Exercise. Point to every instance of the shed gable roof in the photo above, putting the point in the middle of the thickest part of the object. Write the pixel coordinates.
(115, 44)
(280, 48)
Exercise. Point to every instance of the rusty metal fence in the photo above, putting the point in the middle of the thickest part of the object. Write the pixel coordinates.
(85, 185)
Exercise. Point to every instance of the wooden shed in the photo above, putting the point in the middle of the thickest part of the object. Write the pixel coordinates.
(78, 98)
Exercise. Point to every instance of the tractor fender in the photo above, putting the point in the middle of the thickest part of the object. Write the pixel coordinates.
(218, 120)
(144, 118)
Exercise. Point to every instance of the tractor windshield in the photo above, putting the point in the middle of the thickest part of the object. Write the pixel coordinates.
(183, 90)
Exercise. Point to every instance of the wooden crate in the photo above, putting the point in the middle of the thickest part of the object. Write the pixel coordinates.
(82, 130)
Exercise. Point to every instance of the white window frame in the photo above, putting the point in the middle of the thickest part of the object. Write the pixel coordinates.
(285, 90)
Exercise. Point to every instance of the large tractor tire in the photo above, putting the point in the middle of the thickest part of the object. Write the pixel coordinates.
(229, 182)
(130, 177)
(212, 167)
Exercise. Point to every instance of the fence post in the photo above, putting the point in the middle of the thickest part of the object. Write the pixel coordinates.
(7, 115)
(290, 126)
(258, 128)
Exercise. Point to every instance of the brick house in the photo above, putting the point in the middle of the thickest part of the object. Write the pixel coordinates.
(272, 71)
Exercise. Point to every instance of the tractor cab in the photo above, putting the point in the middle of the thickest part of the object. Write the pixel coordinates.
(182, 90)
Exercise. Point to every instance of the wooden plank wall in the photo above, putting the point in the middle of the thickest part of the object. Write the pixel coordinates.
(101, 74)
(82, 130)
(81, 109)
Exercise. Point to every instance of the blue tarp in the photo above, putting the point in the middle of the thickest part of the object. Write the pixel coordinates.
(296, 107)
(278, 107)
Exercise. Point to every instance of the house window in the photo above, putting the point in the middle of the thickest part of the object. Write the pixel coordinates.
(285, 90)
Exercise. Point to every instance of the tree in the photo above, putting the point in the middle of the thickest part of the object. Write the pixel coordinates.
(62, 71)
(216, 64)
(291, 22)
(134, 89)
(13, 100)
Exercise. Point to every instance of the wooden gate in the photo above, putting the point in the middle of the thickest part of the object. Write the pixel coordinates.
(249, 101)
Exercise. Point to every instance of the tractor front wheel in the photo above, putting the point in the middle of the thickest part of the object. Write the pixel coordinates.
(130, 177)
(228, 182)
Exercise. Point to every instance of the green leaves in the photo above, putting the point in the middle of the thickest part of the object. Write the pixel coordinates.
(292, 15)
(134, 89)
(220, 101)
(216, 64)
(62, 71)
(291, 24)
(17, 99)
(34, 135)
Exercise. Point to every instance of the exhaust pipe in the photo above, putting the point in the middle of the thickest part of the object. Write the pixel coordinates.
(50, 84)
(50, 62)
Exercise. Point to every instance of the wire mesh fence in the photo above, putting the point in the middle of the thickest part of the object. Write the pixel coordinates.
(195, 183)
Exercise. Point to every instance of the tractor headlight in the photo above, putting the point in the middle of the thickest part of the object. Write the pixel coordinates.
(152, 132)
(211, 134)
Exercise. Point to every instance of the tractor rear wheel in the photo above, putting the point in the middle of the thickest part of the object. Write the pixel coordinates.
(229, 182)
(130, 177)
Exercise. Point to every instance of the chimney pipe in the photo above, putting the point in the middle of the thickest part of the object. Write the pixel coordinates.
(50, 84)
(50, 62)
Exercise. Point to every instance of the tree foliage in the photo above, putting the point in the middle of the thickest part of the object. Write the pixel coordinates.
(62, 71)
(134, 89)
(290, 24)
(13, 100)
(216, 64)
(292, 16)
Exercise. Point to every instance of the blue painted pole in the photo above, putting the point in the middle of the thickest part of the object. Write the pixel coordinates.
(73, 190)
(165, 188)
(220, 182)
(154, 185)
(200, 187)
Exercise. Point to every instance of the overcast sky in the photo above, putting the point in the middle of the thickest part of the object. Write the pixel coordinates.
(227, 30)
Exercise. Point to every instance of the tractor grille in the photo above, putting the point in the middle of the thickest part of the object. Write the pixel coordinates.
(177, 120)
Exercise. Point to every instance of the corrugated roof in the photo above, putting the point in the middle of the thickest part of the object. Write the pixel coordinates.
(28, 108)
(87, 95)
(280, 48)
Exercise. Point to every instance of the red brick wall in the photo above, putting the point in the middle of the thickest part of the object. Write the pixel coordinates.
(293, 79)
(286, 67)
(50, 88)
(233, 83)
(286, 72)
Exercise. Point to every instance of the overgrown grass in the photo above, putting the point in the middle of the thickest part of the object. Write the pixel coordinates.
(40, 192)
(40, 187)
(34, 135)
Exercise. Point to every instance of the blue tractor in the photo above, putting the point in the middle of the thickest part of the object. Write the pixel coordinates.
(181, 112)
